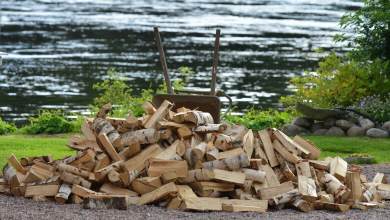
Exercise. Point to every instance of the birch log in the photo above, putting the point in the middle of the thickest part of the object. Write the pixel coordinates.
(197, 175)
(229, 163)
(64, 192)
(145, 136)
(339, 191)
(209, 128)
(101, 125)
(225, 142)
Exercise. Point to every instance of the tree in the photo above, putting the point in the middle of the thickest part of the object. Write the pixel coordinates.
(370, 27)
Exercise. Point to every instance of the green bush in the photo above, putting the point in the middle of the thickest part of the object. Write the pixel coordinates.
(259, 119)
(6, 128)
(339, 82)
(50, 122)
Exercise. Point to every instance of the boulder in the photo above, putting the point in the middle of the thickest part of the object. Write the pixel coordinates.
(302, 122)
(335, 131)
(321, 131)
(386, 125)
(329, 122)
(317, 113)
(377, 133)
(343, 124)
(355, 131)
(292, 130)
(317, 125)
(366, 124)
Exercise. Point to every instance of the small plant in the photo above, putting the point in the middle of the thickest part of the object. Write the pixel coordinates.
(259, 119)
(50, 122)
(375, 106)
(6, 128)
(359, 155)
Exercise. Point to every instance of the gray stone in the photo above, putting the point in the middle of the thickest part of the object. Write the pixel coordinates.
(317, 113)
(352, 123)
(321, 131)
(329, 122)
(377, 133)
(355, 131)
(292, 130)
(386, 125)
(316, 126)
(335, 131)
(343, 124)
(302, 122)
(366, 124)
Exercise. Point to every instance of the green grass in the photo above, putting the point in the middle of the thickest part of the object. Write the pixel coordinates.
(29, 145)
(38, 145)
(344, 146)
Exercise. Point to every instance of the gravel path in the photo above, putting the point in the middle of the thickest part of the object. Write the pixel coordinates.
(22, 208)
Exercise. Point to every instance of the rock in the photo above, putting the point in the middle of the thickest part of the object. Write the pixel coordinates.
(317, 113)
(377, 133)
(355, 131)
(352, 123)
(329, 122)
(321, 131)
(366, 124)
(292, 130)
(318, 125)
(343, 124)
(302, 122)
(386, 125)
(335, 131)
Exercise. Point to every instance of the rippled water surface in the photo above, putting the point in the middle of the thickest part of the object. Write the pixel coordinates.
(59, 48)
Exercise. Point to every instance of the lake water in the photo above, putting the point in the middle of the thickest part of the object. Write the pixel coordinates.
(59, 48)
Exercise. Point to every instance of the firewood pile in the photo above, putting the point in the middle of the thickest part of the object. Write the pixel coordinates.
(182, 160)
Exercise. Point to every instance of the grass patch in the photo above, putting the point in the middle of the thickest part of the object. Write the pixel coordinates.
(29, 146)
(344, 146)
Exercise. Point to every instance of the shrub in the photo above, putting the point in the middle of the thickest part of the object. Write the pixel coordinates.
(50, 122)
(339, 82)
(6, 128)
(372, 106)
(259, 119)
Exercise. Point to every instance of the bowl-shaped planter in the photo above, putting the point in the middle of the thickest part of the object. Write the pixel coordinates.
(359, 160)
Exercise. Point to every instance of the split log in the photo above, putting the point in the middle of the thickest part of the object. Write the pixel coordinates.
(104, 110)
(171, 125)
(138, 161)
(318, 164)
(307, 188)
(158, 194)
(364, 205)
(82, 191)
(101, 125)
(165, 134)
(268, 147)
(130, 124)
(70, 178)
(87, 130)
(113, 177)
(353, 183)
(327, 198)
(160, 113)
(15, 163)
(106, 202)
(106, 144)
(384, 187)
(291, 145)
(331, 206)
(158, 167)
(302, 205)
(114, 190)
(269, 192)
(102, 173)
(80, 157)
(80, 144)
(283, 198)
(202, 204)
(255, 175)
(206, 186)
(303, 168)
(28, 161)
(339, 191)
(146, 184)
(379, 178)
(129, 176)
(185, 192)
(103, 158)
(229, 163)
(149, 107)
(42, 190)
(287, 168)
(242, 205)
(197, 175)
(64, 192)
(200, 150)
(10, 176)
(199, 118)
(225, 142)
(236, 178)
(210, 128)
(212, 152)
(192, 159)
(236, 130)
(308, 145)
(369, 194)
(73, 170)
(145, 136)
(3, 185)
(385, 194)
(286, 154)
(184, 132)
(230, 153)
(338, 168)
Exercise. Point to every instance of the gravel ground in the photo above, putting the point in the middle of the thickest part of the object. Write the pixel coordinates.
(22, 208)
